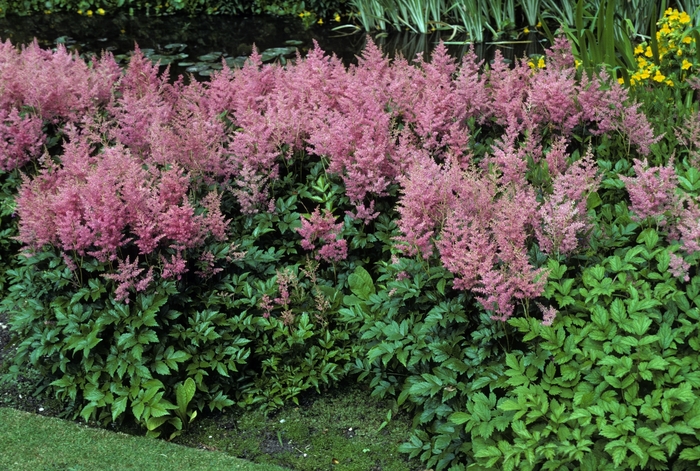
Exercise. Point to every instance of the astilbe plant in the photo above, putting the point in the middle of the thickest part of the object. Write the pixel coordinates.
(322, 229)
(21, 139)
(133, 201)
(38, 87)
(57, 86)
(101, 203)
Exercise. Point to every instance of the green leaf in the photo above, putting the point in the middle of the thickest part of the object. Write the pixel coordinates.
(648, 237)
(683, 393)
(618, 451)
(648, 435)
(459, 418)
(361, 283)
(610, 431)
(162, 368)
(118, 407)
(691, 454)
(593, 201)
(488, 452)
(184, 393)
(657, 363)
(613, 381)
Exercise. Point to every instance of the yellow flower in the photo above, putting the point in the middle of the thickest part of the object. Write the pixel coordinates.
(644, 74)
(648, 52)
(659, 77)
(100, 11)
(541, 64)
(687, 40)
(47, 12)
(685, 18)
(577, 63)
(531, 65)
(538, 25)
(669, 82)
(88, 13)
(686, 64)
(526, 30)
(621, 81)
(638, 50)
(80, 12)
(320, 21)
(642, 62)
(337, 18)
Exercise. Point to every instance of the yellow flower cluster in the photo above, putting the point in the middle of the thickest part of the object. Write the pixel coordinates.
(537, 63)
(676, 52)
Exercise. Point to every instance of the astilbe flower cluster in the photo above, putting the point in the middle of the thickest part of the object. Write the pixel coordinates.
(370, 122)
(37, 85)
(653, 192)
(481, 222)
(58, 86)
(483, 240)
(21, 139)
(101, 202)
(322, 229)
(562, 214)
(370, 119)
(141, 106)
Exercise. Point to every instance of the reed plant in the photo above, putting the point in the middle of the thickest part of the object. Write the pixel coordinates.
(420, 15)
(501, 14)
(472, 16)
(370, 13)
(640, 13)
(531, 10)
(562, 11)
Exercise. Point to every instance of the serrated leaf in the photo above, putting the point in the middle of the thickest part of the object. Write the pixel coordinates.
(154, 422)
(361, 284)
(657, 363)
(488, 452)
(618, 451)
(609, 431)
(460, 418)
(118, 407)
(648, 435)
(691, 454)
(683, 393)
(162, 368)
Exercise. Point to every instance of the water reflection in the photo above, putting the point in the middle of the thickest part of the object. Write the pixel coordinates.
(231, 38)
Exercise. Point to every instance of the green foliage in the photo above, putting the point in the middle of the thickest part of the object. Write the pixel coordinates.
(9, 182)
(320, 8)
(204, 341)
(611, 385)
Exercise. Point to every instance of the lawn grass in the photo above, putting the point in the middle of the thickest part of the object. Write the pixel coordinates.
(33, 443)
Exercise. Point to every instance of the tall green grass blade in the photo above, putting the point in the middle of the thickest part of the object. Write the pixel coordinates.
(560, 10)
(654, 43)
(607, 34)
(472, 18)
(531, 9)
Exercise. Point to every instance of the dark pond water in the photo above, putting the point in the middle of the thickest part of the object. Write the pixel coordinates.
(196, 45)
